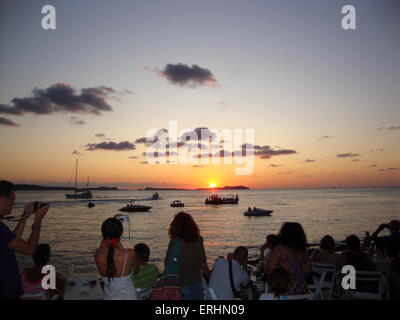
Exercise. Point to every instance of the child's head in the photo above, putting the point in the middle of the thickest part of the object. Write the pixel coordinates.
(143, 252)
(279, 281)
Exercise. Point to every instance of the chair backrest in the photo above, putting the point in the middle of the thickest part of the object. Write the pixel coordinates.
(321, 267)
(324, 275)
(369, 278)
(308, 296)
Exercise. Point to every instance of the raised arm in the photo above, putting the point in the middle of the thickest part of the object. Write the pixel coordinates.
(29, 247)
(19, 229)
(377, 231)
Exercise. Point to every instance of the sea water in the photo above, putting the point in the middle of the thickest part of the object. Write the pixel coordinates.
(74, 231)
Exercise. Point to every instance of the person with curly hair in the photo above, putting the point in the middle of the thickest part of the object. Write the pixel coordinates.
(192, 260)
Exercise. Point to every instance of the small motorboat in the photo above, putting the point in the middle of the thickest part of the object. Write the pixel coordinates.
(130, 207)
(177, 204)
(155, 196)
(90, 205)
(257, 212)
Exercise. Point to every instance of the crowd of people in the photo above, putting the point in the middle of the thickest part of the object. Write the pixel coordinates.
(285, 261)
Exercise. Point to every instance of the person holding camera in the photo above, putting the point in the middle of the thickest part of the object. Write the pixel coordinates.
(390, 243)
(11, 241)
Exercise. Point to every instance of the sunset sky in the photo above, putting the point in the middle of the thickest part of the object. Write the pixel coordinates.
(325, 100)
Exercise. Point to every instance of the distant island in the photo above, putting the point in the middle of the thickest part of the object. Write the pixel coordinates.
(47, 188)
(37, 187)
(218, 188)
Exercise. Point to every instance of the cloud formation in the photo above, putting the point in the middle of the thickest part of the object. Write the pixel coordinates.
(266, 152)
(77, 153)
(121, 146)
(62, 97)
(76, 121)
(199, 134)
(185, 75)
(7, 122)
(347, 155)
(309, 160)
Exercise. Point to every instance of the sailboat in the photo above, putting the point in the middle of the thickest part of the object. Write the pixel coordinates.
(81, 195)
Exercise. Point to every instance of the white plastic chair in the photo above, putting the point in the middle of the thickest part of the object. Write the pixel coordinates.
(370, 277)
(321, 271)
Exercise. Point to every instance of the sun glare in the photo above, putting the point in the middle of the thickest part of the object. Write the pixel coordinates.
(212, 185)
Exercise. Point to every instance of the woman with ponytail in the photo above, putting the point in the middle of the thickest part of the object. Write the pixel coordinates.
(115, 263)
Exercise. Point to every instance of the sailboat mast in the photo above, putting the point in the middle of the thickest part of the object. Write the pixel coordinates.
(87, 184)
(76, 174)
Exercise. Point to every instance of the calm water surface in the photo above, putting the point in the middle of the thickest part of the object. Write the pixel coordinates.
(73, 230)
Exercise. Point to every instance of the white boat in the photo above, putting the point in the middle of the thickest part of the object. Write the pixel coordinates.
(177, 204)
(130, 207)
(79, 195)
(257, 212)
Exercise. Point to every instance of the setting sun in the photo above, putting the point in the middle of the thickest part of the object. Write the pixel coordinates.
(212, 185)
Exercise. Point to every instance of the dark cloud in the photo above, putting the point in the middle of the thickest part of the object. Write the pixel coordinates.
(347, 155)
(287, 172)
(121, 146)
(77, 153)
(265, 152)
(309, 160)
(100, 135)
(374, 166)
(61, 97)
(141, 140)
(8, 122)
(157, 154)
(276, 165)
(388, 169)
(9, 110)
(185, 75)
(159, 135)
(326, 137)
(76, 121)
(394, 128)
(199, 134)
